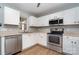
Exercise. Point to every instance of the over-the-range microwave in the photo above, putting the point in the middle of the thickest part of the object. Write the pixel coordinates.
(56, 22)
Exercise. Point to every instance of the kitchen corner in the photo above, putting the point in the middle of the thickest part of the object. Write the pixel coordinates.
(21, 32)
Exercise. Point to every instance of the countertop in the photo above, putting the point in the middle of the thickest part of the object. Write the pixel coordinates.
(74, 34)
(8, 33)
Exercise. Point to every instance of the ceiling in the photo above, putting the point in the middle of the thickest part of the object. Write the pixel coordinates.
(43, 9)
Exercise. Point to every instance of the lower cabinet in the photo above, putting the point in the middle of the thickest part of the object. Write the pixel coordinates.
(71, 45)
(28, 40)
(13, 44)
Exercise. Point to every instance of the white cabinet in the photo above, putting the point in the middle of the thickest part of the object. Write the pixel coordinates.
(1, 14)
(11, 16)
(71, 45)
(42, 39)
(32, 21)
(31, 39)
(69, 16)
(67, 45)
(77, 15)
(75, 46)
(28, 40)
(56, 15)
(43, 21)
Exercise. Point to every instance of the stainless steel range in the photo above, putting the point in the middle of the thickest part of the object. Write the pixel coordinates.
(55, 39)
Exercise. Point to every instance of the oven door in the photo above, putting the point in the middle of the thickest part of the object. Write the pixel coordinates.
(55, 40)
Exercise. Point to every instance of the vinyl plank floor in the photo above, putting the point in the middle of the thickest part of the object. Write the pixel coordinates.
(38, 50)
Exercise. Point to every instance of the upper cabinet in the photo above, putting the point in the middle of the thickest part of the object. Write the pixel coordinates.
(56, 15)
(1, 14)
(77, 15)
(11, 16)
(32, 21)
(38, 22)
(69, 16)
(43, 21)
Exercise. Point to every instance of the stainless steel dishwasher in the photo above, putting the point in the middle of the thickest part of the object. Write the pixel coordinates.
(13, 44)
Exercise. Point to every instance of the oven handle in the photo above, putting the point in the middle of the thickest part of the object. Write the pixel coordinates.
(55, 35)
(54, 44)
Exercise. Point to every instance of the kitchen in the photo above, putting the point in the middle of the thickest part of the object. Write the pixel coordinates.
(56, 31)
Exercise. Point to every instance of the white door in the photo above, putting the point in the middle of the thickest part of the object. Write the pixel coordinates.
(67, 45)
(43, 21)
(69, 16)
(32, 21)
(56, 15)
(75, 46)
(77, 15)
(11, 16)
(1, 13)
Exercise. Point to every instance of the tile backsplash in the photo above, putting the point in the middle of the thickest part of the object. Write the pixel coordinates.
(10, 28)
(72, 28)
(46, 30)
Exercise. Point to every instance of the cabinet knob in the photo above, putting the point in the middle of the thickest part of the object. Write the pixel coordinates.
(71, 41)
(75, 42)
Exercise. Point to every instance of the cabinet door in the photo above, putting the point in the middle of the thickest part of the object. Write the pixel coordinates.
(1, 14)
(43, 21)
(11, 16)
(10, 44)
(28, 40)
(67, 45)
(77, 15)
(69, 16)
(75, 46)
(56, 15)
(32, 21)
(42, 39)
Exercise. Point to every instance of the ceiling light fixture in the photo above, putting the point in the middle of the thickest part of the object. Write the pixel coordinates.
(38, 4)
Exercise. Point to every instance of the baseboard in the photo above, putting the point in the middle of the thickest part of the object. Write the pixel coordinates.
(30, 47)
